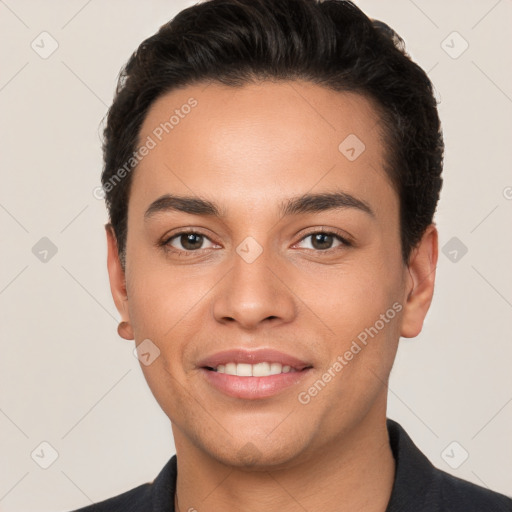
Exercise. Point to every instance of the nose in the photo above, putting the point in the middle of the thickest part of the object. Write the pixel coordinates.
(254, 292)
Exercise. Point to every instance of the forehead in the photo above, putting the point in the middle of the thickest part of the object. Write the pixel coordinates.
(260, 141)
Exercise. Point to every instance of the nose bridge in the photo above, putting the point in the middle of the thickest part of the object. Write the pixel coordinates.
(252, 290)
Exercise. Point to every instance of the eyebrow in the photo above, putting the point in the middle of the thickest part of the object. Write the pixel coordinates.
(306, 203)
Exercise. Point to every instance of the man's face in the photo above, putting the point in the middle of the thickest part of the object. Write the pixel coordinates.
(253, 278)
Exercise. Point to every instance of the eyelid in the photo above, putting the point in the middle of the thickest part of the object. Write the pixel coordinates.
(342, 237)
(345, 241)
(165, 243)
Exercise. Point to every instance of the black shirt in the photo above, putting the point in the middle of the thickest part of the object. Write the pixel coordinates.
(418, 487)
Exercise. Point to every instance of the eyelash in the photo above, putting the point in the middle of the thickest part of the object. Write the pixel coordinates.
(165, 244)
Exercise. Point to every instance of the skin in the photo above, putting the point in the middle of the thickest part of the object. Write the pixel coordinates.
(248, 149)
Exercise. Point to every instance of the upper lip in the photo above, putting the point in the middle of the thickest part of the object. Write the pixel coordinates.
(240, 355)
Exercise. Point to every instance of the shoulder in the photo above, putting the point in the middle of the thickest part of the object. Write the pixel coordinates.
(458, 494)
(422, 487)
(130, 501)
(155, 496)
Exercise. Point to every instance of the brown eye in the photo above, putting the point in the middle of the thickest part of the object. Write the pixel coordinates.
(189, 241)
(324, 240)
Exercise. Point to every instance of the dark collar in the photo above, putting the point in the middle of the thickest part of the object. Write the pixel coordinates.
(414, 473)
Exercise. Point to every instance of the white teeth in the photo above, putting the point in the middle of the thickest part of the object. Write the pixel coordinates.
(261, 370)
(254, 370)
(275, 368)
(244, 370)
(230, 369)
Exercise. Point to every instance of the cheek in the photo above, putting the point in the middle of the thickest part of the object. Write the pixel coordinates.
(171, 305)
(159, 294)
(352, 297)
(162, 301)
(374, 312)
(363, 311)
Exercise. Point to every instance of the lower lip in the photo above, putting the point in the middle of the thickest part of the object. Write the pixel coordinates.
(252, 388)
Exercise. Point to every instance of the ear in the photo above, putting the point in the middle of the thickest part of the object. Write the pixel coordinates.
(420, 283)
(117, 280)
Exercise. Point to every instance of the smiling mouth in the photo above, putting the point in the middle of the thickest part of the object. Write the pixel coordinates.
(263, 369)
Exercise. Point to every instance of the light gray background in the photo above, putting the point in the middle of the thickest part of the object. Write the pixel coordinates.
(67, 378)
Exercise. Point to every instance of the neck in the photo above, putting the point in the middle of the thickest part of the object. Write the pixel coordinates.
(353, 472)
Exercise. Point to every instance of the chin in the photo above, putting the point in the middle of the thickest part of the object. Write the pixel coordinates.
(257, 454)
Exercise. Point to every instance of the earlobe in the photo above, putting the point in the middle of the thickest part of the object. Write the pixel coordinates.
(420, 286)
(117, 280)
(124, 329)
